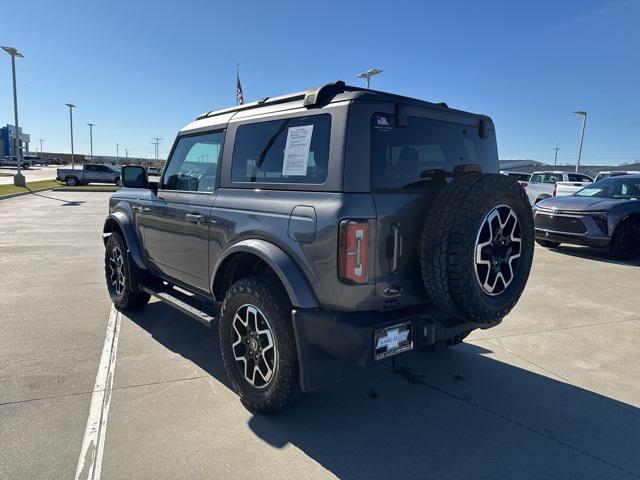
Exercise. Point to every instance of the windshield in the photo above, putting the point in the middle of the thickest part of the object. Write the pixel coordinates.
(613, 187)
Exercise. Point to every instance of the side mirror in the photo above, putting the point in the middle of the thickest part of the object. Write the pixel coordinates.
(134, 176)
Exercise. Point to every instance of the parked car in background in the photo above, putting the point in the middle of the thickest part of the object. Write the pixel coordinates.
(11, 161)
(318, 229)
(554, 184)
(521, 177)
(89, 173)
(605, 214)
(615, 173)
(36, 160)
(153, 171)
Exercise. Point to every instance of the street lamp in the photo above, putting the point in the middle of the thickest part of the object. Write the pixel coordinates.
(368, 74)
(41, 140)
(71, 107)
(584, 123)
(117, 152)
(18, 179)
(91, 125)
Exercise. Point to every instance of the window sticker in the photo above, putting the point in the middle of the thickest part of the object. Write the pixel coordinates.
(382, 124)
(296, 152)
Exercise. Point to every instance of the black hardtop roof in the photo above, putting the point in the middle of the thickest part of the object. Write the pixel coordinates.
(332, 92)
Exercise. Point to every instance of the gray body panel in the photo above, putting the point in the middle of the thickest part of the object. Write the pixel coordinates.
(298, 224)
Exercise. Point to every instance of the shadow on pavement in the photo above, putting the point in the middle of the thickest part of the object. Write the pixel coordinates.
(599, 255)
(65, 203)
(457, 413)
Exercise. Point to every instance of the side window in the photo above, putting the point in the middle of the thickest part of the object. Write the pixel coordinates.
(90, 168)
(552, 178)
(291, 150)
(194, 164)
(536, 178)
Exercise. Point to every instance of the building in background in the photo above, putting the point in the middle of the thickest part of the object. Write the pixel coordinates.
(7, 142)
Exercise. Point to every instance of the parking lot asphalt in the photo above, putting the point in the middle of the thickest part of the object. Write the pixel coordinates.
(553, 392)
(31, 175)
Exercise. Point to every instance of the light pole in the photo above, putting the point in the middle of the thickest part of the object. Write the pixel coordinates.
(71, 107)
(368, 74)
(555, 160)
(126, 154)
(117, 152)
(91, 125)
(584, 123)
(41, 140)
(18, 179)
(157, 144)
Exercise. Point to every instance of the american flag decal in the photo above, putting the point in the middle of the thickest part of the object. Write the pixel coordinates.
(239, 95)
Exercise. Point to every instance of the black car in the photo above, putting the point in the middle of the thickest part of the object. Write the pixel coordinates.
(605, 214)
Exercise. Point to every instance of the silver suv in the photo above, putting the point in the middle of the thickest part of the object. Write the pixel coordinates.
(332, 226)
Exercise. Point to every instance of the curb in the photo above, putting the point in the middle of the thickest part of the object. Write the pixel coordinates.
(11, 195)
(82, 189)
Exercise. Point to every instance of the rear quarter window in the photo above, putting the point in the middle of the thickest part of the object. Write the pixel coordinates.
(291, 150)
(425, 151)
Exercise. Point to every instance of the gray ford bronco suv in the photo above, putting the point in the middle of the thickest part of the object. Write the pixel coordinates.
(324, 228)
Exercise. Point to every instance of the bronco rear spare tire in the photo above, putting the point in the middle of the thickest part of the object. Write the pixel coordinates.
(477, 247)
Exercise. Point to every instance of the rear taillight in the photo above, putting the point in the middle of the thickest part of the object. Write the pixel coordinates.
(555, 189)
(352, 251)
(524, 184)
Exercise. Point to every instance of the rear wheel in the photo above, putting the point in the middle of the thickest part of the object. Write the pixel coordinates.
(71, 181)
(625, 244)
(118, 275)
(477, 247)
(547, 243)
(258, 345)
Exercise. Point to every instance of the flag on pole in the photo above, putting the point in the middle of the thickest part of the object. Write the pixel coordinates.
(239, 95)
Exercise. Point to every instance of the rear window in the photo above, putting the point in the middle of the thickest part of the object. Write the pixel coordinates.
(425, 151)
(292, 150)
(576, 177)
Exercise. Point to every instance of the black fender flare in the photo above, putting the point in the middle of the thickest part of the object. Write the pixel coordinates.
(291, 276)
(120, 220)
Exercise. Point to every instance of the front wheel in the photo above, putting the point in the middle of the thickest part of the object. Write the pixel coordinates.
(258, 345)
(118, 275)
(71, 181)
(625, 244)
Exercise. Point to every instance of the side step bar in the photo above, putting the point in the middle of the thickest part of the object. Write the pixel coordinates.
(188, 304)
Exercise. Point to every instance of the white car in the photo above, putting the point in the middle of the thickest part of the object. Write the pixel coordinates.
(615, 173)
(554, 184)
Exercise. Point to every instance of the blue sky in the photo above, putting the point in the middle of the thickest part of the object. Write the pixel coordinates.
(144, 69)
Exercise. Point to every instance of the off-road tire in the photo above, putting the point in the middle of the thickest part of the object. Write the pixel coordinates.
(625, 244)
(127, 299)
(271, 299)
(449, 236)
(547, 243)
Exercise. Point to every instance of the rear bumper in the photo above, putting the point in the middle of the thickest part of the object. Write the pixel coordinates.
(328, 341)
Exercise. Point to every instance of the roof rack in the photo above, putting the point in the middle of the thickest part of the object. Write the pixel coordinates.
(311, 98)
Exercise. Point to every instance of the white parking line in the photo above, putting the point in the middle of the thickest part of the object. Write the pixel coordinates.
(90, 461)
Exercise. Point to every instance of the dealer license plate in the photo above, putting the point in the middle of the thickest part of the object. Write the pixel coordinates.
(392, 340)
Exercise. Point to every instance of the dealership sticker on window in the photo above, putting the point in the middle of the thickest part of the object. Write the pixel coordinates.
(296, 151)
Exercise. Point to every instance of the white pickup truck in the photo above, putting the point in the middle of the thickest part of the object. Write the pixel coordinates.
(89, 174)
(554, 184)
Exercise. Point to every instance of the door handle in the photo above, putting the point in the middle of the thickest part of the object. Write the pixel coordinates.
(193, 217)
(397, 245)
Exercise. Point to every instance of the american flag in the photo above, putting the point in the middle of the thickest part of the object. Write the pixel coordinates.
(239, 95)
